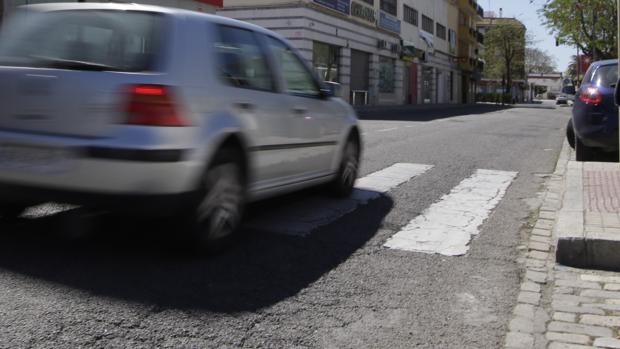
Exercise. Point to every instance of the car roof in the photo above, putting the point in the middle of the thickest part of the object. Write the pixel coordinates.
(605, 62)
(174, 12)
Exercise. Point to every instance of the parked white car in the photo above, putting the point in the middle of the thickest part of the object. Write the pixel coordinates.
(165, 111)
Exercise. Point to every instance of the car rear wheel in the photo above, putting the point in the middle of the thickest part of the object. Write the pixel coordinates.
(570, 134)
(583, 152)
(342, 186)
(217, 215)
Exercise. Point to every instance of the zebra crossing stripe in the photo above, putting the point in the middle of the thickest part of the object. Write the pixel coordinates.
(303, 217)
(447, 226)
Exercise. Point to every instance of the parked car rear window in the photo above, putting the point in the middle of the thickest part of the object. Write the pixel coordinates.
(605, 76)
(83, 40)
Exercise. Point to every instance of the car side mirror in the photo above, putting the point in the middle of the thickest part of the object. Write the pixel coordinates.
(330, 89)
(617, 93)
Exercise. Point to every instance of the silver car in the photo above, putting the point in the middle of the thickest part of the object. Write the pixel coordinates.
(165, 111)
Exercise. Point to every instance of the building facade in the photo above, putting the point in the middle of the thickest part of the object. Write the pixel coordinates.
(379, 51)
(542, 86)
(470, 41)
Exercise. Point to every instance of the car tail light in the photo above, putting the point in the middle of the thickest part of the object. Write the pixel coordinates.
(153, 105)
(591, 95)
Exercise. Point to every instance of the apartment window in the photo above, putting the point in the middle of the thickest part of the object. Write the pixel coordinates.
(428, 25)
(370, 2)
(410, 15)
(389, 6)
(441, 31)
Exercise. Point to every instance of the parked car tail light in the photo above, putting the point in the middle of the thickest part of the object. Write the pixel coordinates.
(153, 105)
(591, 95)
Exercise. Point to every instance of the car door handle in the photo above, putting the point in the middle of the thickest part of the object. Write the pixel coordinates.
(300, 111)
(245, 105)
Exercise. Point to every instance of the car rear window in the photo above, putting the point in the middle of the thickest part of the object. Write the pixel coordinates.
(606, 76)
(83, 40)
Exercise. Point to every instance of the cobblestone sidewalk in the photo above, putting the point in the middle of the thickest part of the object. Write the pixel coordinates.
(560, 307)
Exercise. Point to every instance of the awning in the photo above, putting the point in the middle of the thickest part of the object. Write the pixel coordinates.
(428, 39)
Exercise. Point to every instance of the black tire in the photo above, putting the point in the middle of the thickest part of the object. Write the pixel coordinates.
(217, 214)
(10, 212)
(342, 185)
(583, 152)
(570, 134)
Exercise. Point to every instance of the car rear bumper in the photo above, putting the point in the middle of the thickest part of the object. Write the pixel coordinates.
(599, 136)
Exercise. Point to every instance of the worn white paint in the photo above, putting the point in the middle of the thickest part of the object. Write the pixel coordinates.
(447, 226)
(301, 218)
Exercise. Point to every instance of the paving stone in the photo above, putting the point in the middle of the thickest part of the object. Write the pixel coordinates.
(547, 215)
(536, 276)
(612, 287)
(605, 306)
(568, 298)
(519, 340)
(600, 294)
(600, 278)
(579, 284)
(528, 297)
(530, 286)
(538, 238)
(524, 310)
(612, 301)
(538, 255)
(563, 290)
(593, 331)
(541, 232)
(578, 310)
(568, 337)
(607, 343)
(521, 324)
(607, 321)
(558, 345)
(540, 320)
(566, 317)
(539, 246)
(545, 224)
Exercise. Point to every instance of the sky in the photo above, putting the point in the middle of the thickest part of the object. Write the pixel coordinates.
(528, 14)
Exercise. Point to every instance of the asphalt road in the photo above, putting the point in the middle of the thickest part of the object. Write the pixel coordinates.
(128, 285)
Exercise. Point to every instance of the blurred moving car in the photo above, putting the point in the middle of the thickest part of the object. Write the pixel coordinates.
(170, 112)
(561, 99)
(594, 125)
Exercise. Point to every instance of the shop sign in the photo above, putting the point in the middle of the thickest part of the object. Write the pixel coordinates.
(337, 5)
(389, 22)
(364, 12)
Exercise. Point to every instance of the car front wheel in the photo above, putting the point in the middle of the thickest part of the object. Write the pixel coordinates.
(342, 186)
(570, 134)
(217, 215)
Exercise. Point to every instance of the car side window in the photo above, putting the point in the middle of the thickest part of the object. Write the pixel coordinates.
(299, 81)
(240, 60)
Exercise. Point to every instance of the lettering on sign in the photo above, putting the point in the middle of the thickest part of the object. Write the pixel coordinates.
(364, 12)
(342, 6)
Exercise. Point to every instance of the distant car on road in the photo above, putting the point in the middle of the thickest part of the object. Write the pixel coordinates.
(561, 99)
(171, 112)
(594, 124)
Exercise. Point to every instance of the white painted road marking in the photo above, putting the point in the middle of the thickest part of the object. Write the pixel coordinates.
(301, 218)
(447, 226)
(388, 129)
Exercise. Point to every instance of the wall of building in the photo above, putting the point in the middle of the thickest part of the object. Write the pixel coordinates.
(307, 23)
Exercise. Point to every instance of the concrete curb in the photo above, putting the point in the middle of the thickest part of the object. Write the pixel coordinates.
(579, 244)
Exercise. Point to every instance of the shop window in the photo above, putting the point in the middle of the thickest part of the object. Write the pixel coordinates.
(389, 6)
(386, 75)
(241, 62)
(325, 61)
(410, 15)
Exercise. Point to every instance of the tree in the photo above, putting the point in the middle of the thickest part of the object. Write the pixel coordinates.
(590, 25)
(538, 61)
(505, 52)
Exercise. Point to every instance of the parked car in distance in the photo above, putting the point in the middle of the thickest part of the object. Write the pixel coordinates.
(170, 112)
(561, 99)
(594, 123)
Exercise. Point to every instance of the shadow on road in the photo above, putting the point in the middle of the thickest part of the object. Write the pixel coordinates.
(420, 113)
(139, 261)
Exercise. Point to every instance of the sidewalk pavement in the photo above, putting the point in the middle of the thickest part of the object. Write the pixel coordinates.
(561, 306)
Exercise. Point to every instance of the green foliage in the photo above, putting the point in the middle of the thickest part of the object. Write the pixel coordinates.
(538, 61)
(591, 25)
(504, 53)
